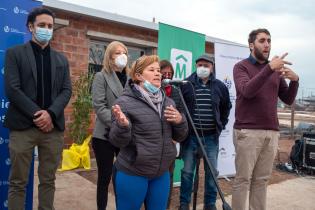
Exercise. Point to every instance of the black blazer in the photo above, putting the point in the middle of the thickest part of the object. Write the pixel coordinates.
(20, 76)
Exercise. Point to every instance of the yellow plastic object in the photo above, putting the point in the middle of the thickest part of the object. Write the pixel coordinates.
(77, 156)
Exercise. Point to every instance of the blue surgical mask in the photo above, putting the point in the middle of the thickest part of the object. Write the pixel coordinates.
(151, 88)
(43, 35)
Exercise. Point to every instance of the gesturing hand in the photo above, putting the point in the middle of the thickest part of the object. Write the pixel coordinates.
(277, 62)
(120, 116)
(172, 115)
(289, 74)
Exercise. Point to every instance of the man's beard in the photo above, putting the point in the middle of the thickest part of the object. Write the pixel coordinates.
(259, 55)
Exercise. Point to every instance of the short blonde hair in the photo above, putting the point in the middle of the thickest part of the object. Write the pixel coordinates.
(140, 64)
(108, 61)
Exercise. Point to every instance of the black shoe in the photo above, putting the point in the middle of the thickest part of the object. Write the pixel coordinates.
(209, 207)
(183, 206)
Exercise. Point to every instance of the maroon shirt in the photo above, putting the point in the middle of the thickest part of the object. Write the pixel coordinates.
(257, 91)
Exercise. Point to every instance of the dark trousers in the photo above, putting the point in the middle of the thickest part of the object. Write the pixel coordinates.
(21, 146)
(104, 153)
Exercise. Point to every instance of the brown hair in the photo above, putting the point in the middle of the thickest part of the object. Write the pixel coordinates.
(140, 64)
(108, 61)
(253, 34)
(165, 63)
(36, 12)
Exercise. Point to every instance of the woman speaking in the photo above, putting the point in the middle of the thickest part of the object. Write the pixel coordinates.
(145, 122)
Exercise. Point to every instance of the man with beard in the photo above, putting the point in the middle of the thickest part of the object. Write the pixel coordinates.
(258, 84)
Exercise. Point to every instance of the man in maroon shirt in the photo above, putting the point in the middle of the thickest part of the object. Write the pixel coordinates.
(258, 84)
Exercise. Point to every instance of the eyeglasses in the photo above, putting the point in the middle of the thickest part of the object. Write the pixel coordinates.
(167, 75)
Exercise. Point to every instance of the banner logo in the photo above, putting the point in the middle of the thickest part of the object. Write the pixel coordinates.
(16, 10)
(2, 141)
(181, 61)
(8, 161)
(6, 29)
(228, 82)
(5, 203)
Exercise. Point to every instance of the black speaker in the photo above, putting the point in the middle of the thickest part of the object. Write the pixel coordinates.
(309, 150)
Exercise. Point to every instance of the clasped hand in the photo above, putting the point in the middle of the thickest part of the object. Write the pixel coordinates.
(43, 121)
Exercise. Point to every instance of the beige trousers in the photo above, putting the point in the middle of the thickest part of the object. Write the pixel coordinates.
(255, 153)
(21, 147)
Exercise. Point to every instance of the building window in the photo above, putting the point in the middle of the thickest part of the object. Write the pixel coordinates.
(96, 55)
(97, 51)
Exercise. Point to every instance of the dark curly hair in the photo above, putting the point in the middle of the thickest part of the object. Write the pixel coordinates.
(36, 12)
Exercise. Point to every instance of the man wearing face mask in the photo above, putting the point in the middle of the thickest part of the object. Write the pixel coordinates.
(38, 87)
(209, 105)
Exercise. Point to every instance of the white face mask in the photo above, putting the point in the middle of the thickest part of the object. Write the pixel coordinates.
(203, 72)
(121, 61)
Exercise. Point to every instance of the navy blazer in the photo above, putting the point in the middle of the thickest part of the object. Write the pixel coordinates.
(20, 77)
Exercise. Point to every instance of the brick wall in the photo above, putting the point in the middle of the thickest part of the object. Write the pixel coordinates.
(73, 42)
(209, 48)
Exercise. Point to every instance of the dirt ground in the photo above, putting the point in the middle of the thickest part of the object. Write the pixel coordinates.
(285, 145)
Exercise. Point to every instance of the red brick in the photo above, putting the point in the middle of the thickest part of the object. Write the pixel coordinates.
(80, 41)
(64, 39)
(78, 25)
(74, 43)
(70, 48)
(72, 32)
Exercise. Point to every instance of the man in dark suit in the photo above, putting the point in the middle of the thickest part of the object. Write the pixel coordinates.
(38, 87)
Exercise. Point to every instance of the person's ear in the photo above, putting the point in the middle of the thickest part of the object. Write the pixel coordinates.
(31, 27)
(138, 77)
(251, 46)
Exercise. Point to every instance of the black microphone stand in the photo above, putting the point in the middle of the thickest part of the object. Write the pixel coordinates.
(225, 205)
(196, 179)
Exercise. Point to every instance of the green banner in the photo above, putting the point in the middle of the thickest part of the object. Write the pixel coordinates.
(181, 47)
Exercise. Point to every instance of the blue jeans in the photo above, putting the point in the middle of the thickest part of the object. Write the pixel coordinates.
(189, 156)
(132, 191)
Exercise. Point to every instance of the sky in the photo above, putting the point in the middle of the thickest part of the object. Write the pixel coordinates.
(290, 22)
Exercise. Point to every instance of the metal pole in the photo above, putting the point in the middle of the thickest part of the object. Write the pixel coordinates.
(292, 119)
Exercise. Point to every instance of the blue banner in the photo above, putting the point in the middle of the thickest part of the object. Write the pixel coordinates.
(13, 31)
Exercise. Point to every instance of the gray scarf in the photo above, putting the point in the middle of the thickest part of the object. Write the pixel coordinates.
(155, 100)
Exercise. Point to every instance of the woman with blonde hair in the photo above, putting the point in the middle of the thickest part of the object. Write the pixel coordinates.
(107, 87)
(144, 123)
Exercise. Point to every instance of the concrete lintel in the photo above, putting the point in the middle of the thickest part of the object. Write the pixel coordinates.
(60, 23)
(110, 37)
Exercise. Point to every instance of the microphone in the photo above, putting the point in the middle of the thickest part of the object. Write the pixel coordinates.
(174, 82)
